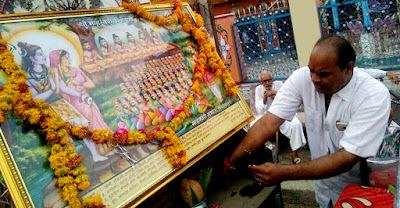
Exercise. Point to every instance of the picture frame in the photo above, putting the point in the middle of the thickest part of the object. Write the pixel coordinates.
(106, 68)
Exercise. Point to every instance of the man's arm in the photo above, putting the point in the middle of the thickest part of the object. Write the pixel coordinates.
(323, 167)
(261, 107)
(379, 74)
(257, 135)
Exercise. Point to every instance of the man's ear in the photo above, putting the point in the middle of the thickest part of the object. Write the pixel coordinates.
(349, 67)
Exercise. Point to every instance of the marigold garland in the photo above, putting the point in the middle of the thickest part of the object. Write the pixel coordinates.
(65, 162)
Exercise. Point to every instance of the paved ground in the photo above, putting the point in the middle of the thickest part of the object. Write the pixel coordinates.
(296, 194)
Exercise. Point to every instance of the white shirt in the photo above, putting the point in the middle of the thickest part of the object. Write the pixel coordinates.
(364, 103)
(375, 73)
(259, 97)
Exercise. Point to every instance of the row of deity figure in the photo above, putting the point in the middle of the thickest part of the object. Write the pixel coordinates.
(107, 51)
(152, 106)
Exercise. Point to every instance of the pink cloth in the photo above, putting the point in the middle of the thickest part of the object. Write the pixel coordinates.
(89, 111)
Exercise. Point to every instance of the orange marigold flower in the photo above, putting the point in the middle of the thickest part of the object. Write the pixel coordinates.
(93, 201)
(65, 140)
(80, 131)
(75, 162)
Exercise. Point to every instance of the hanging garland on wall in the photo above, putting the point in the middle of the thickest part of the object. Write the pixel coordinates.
(65, 162)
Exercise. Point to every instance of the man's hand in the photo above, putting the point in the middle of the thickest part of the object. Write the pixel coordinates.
(393, 78)
(267, 173)
(269, 94)
(75, 82)
(227, 168)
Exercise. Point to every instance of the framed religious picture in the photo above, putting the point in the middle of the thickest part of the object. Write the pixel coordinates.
(115, 71)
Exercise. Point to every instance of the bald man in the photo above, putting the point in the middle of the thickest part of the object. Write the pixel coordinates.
(346, 113)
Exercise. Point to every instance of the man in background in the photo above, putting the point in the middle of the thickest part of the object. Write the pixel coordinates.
(264, 95)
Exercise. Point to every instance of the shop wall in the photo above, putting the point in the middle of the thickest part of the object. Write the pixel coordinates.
(223, 24)
(225, 8)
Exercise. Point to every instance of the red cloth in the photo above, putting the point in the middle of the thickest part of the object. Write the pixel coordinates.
(357, 197)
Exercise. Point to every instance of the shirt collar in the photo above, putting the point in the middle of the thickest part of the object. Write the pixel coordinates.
(346, 93)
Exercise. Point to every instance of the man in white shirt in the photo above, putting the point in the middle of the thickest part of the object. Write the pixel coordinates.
(264, 95)
(346, 115)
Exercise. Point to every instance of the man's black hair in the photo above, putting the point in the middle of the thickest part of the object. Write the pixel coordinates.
(343, 49)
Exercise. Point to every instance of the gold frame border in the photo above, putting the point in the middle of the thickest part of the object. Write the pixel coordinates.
(246, 109)
(12, 176)
(8, 166)
(23, 17)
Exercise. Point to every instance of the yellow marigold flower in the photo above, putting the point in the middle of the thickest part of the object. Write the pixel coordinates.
(3, 43)
(93, 200)
(182, 115)
(5, 106)
(3, 116)
(63, 171)
(159, 135)
(34, 118)
(56, 148)
(71, 189)
(199, 20)
(131, 140)
(170, 150)
(65, 140)
(62, 181)
(69, 148)
(73, 155)
(78, 170)
(75, 202)
(69, 192)
(83, 185)
(81, 178)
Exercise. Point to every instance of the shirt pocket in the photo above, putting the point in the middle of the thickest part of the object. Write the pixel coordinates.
(313, 119)
(339, 133)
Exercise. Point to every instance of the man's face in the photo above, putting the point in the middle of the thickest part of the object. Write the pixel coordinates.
(124, 89)
(325, 72)
(39, 58)
(117, 40)
(153, 95)
(125, 104)
(146, 97)
(87, 47)
(103, 43)
(266, 80)
(130, 88)
(132, 101)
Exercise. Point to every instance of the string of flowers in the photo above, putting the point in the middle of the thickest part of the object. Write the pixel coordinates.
(71, 177)
(208, 55)
(16, 97)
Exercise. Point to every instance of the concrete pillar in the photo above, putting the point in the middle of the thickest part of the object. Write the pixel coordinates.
(306, 27)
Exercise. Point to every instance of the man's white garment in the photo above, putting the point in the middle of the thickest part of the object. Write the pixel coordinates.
(363, 104)
(291, 129)
(375, 73)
